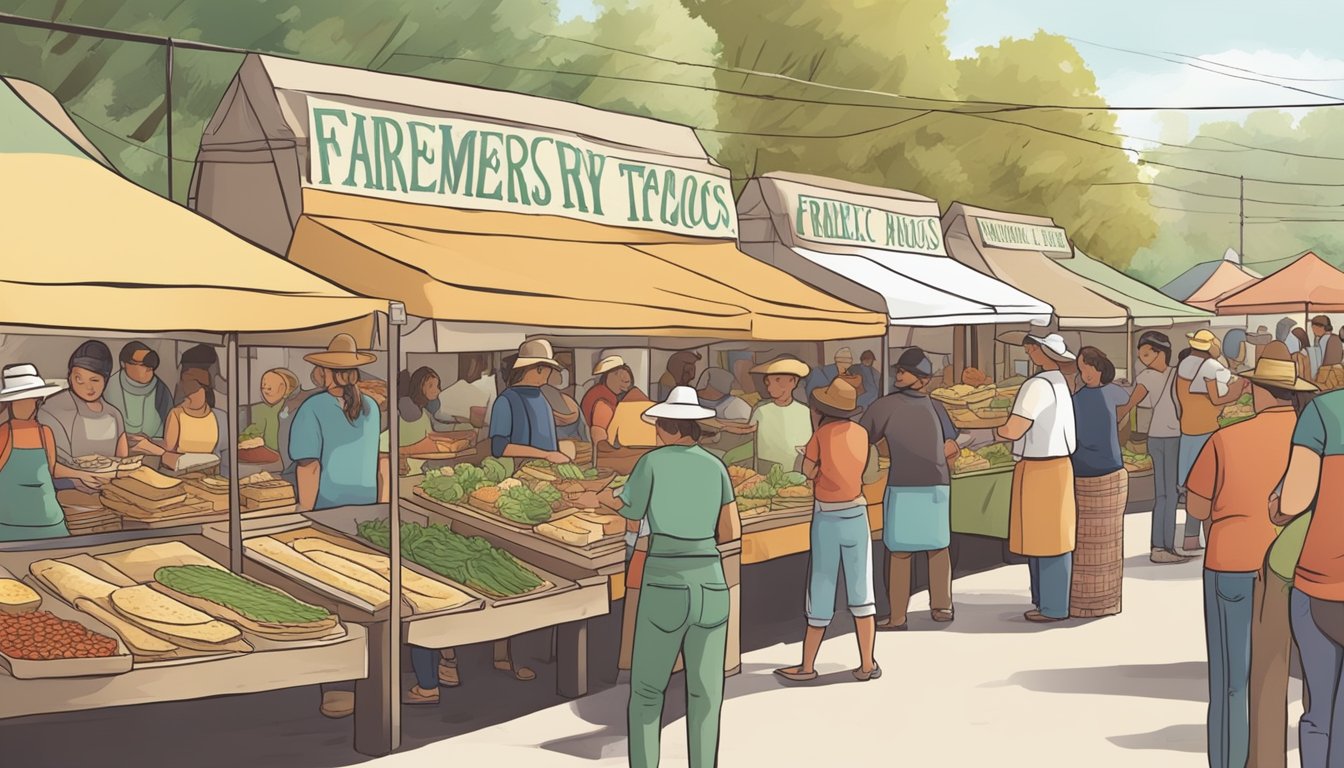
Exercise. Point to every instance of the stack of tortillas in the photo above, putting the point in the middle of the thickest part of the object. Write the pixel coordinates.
(92, 595)
(175, 621)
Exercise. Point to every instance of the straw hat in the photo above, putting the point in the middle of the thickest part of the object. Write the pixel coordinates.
(1202, 340)
(22, 382)
(783, 366)
(342, 353)
(535, 352)
(1275, 368)
(683, 404)
(840, 398)
(1054, 347)
(608, 364)
(844, 354)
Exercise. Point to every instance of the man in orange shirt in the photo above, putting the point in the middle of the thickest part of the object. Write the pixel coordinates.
(1229, 485)
(835, 459)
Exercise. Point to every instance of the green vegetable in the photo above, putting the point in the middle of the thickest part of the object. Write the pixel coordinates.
(440, 487)
(619, 482)
(1246, 399)
(257, 602)
(469, 478)
(793, 479)
(524, 505)
(548, 492)
(466, 560)
(760, 491)
(252, 432)
(494, 470)
(775, 477)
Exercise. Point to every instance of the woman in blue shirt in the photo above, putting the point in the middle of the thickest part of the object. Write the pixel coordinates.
(1101, 483)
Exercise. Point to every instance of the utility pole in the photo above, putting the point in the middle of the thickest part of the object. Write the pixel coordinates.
(1241, 219)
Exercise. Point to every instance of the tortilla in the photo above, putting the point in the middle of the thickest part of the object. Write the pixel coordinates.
(17, 597)
(283, 555)
(142, 602)
(141, 643)
(140, 563)
(424, 594)
(70, 583)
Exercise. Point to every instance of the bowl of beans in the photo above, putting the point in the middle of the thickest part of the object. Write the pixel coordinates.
(40, 644)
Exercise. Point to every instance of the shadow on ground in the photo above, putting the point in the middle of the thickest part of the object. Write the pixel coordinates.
(1183, 681)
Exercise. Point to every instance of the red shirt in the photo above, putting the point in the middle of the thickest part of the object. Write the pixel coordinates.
(600, 393)
(840, 451)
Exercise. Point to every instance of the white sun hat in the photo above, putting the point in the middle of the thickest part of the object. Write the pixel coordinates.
(22, 382)
(682, 403)
(1054, 347)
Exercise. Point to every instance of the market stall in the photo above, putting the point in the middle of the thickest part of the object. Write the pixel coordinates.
(1204, 284)
(497, 218)
(160, 613)
(883, 249)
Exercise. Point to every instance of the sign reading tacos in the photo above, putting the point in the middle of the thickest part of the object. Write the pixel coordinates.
(460, 163)
(1023, 237)
(825, 220)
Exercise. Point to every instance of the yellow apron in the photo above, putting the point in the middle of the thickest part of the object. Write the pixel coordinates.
(1043, 513)
(1330, 377)
(1199, 416)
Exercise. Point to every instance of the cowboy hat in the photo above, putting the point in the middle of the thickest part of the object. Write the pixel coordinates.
(1274, 368)
(683, 404)
(1202, 340)
(342, 354)
(844, 353)
(840, 398)
(535, 352)
(22, 382)
(1054, 347)
(783, 366)
(608, 364)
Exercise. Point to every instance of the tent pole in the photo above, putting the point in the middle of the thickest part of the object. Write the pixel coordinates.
(396, 320)
(1130, 353)
(235, 497)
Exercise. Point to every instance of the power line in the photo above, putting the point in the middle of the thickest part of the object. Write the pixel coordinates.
(1146, 161)
(1255, 72)
(1160, 185)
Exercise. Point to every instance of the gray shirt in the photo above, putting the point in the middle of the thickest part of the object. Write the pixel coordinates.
(915, 434)
(1158, 407)
(78, 429)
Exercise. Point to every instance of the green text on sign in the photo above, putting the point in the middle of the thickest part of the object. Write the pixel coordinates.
(1023, 237)
(482, 166)
(824, 220)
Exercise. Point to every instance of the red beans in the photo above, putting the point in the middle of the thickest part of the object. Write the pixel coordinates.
(42, 636)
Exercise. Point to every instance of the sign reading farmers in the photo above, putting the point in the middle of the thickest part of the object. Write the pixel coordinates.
(838, 222)
(460, 163)
(1023, 237)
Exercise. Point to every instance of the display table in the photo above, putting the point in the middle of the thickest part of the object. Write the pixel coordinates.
(1142, 493)
(980, 502)
(272, 666)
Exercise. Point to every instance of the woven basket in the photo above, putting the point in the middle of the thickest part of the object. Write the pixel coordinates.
(1099, 557)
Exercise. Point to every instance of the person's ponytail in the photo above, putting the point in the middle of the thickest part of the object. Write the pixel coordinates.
(352, 400)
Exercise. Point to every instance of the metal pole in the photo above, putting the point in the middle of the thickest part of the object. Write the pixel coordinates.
(1241, 219)
(396, 319)
(231, 368)
(168, 109)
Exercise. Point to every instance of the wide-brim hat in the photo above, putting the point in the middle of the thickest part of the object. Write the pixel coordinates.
(608, 364)
(536, 352)
(342, 353)
(683, 404)
(1054, 347)
(840, 398)
(783, 366)
(843, 353)
(1275, 368)
(1202, 340)
(22, 382)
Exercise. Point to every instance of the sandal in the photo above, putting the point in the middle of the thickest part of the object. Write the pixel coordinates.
(418, 695)
(887, 626)
(448, 676)
(796, 674)
(519, 673)
(871, 674)
(941, 616)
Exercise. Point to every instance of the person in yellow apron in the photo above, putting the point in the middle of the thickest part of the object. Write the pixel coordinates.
(193, 426)
(685, 494)
(28, 508)
(1043, 513)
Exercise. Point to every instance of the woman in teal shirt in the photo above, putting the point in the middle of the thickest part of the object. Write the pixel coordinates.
(684, 493)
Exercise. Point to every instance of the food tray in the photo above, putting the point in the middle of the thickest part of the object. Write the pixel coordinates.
(344, 521)
(605, 477)
(973, 421)
(27, 669)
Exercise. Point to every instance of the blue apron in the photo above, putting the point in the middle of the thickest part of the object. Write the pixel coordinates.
(28, 508)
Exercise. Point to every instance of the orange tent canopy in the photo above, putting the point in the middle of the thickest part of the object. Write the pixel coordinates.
(1307, 285)
(1226, 280)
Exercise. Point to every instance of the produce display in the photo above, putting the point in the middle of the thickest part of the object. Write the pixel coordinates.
(778, 490)
(466, 560)
(423, 593)
(572, 472)
(524, 505)
(1241, 410)
(1135, 460)
(42, 636)
(283, 555)
(978, 403)
(988, 457)
(249, 599)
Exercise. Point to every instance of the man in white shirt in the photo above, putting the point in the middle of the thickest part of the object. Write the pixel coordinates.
(1042, 522)
(783, 425)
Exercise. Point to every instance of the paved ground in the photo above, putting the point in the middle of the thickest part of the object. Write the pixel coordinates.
(988, 689)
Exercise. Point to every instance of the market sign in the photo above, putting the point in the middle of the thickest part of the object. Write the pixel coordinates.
(458, 163)
(824, 220)
(1023, 237)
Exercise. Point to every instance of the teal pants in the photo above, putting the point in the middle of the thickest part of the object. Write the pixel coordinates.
(683, 609)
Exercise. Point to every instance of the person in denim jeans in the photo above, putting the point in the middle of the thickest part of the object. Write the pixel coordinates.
(1154, 396)
(1238, 467)
(835, 458)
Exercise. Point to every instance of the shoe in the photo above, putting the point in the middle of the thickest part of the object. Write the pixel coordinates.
(796, 674)
(941, 616)
(338, 704)
(1192, 544)
(519, 673)
(1166, 556)
(418, 695)
(872, 674)
(448, 674)
(1040, 618)
(887, 626)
